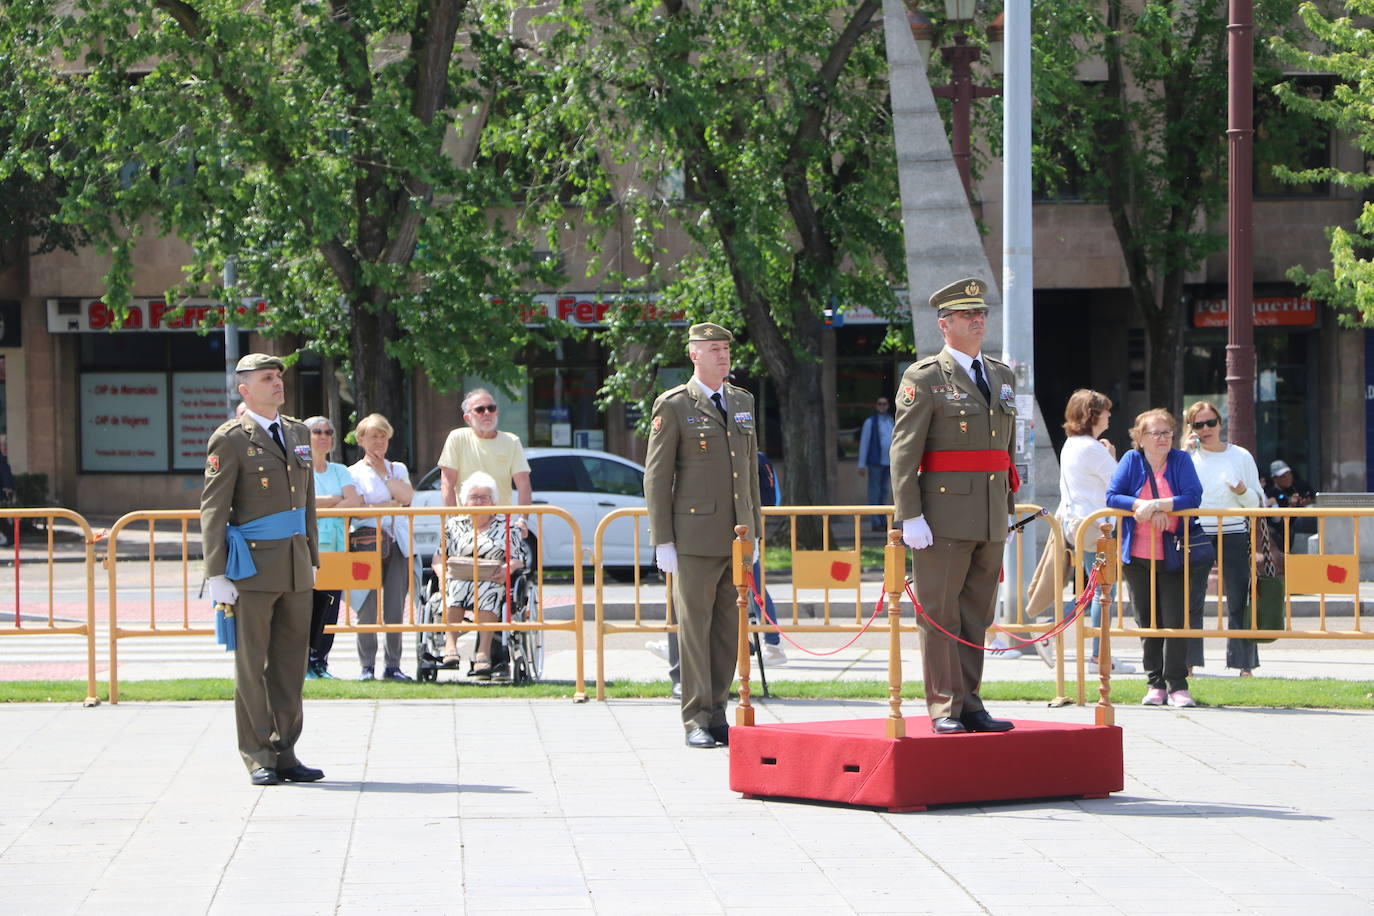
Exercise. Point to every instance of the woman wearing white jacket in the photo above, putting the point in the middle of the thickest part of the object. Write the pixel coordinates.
(1230, 480)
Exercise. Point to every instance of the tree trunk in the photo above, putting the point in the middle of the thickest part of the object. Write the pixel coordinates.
(799, 400)
(378, 380)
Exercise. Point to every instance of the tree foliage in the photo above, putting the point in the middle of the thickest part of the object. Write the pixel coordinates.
(1149, 141)
(1344, 48)
(320, 144)
(762, 129)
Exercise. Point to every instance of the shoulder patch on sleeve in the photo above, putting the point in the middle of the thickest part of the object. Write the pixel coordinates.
(211, 464)
(657, 423)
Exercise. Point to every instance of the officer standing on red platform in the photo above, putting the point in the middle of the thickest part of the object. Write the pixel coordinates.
(952, 482)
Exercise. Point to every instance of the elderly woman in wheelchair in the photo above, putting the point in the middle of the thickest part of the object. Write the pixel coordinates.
(483, 552)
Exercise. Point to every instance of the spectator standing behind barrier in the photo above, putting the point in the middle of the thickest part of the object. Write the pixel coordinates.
(1285, 491)
(490, 537)
(482, 447)
(383, 483)
(875, 447)
(700, 482)
(334, 489)
(1176, 486)
(8, 495)
(1230, 480)
(953, 481)
(1086, 463)
(257, 520)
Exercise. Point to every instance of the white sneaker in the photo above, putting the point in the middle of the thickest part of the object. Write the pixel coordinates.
(773, 655)
(1118, 667)
(658, 647)
(996, 650)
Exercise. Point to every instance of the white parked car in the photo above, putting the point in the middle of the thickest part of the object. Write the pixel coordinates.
(587, 485)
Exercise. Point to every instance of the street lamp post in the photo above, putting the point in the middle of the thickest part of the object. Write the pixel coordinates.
(960, 56)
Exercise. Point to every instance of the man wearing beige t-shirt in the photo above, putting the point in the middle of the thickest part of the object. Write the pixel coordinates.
(482, 447)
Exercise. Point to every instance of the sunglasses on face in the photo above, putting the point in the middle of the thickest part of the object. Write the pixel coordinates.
(322, 432)
(484, 408)
(1206, 424)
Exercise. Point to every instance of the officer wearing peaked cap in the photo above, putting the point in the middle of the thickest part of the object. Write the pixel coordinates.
(700, 481)
(953, 482)
(257, 516)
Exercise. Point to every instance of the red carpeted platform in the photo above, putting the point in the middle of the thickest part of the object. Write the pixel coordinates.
(852, 761)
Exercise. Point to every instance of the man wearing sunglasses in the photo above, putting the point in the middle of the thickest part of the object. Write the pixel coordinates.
(483, 447)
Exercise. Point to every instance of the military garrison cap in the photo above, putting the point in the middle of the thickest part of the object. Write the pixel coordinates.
(709, 331)
(259, 361)
(959, 296)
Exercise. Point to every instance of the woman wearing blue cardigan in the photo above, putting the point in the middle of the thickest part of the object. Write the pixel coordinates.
(1176, 486)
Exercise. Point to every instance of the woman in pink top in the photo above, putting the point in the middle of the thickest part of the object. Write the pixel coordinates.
(1175, 486)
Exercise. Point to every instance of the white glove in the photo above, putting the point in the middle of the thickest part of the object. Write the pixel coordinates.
(1011, 533)
(916, 533)
(222, 590)
(314, 574)
(756, 548)
(665, 555)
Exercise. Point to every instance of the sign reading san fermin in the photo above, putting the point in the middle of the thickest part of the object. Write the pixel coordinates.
(79, 316)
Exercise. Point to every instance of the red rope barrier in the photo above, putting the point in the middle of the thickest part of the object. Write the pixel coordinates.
(758, 599)
(1080, 603)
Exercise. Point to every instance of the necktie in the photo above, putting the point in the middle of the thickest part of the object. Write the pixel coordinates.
(982, 382)
(275, 430)
(720, 405)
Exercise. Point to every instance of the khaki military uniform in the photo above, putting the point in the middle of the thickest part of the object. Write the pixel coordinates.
(247, 477)
(939, 408)
(700, 481)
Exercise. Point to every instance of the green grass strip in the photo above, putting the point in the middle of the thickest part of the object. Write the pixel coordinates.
(1277, 693)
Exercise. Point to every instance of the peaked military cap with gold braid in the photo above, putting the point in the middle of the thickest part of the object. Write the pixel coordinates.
(961, 295)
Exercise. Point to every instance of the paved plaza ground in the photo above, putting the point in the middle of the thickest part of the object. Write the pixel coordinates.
(547, 806)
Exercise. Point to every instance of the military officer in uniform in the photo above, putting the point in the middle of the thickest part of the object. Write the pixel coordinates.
(700, 481)
(257, 519)
(952, 482)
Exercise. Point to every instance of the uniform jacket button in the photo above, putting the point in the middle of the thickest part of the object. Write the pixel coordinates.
(692, 510)
(942, 489)
(992, 477)
(962, 412)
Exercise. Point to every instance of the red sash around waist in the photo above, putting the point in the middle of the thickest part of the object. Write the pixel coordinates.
(988, 459)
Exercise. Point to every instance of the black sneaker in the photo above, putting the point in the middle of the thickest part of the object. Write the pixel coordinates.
(395, 674)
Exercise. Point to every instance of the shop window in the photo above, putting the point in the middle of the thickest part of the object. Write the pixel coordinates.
(1060, 176)
(148, 401)
(1292, 139)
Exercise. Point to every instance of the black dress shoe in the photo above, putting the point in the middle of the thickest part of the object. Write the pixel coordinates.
(300, 773)
(700, 737)
(944, 725)
(980, 721)
(721, 733)
(263, 776)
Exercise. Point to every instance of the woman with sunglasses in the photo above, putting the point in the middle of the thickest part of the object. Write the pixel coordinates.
(334, 489)
(1230, 480)
(1151, 481)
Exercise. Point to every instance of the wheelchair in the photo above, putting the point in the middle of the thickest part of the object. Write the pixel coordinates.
(517, 656)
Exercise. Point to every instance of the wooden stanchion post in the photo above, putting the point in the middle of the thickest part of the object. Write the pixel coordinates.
(741, 556)
(1105, 564)
(894, 578)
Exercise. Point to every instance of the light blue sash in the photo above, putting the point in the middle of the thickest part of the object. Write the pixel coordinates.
(273, 527)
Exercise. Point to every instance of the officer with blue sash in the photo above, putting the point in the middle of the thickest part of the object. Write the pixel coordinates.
(257, 519)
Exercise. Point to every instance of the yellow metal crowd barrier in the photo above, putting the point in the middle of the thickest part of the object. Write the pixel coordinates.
(190, 614)
(59, 617)
(826, 592)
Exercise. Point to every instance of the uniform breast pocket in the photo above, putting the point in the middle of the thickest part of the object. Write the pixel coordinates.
(694, 507)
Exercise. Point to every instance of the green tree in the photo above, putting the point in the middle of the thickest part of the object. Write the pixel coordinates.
(1345, 48)
(761, 128)
(327, 146)
(1149, 141)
